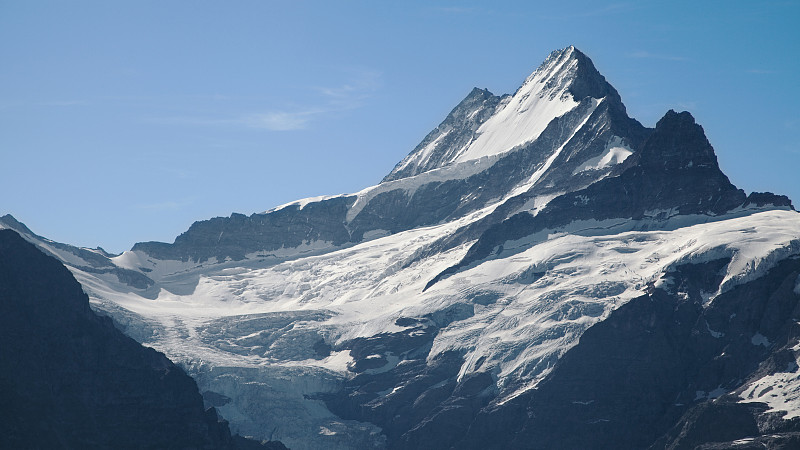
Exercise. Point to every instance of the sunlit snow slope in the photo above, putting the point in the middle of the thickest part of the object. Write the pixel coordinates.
(451, 290)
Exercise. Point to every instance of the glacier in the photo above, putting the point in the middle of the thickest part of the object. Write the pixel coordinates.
(470, 264)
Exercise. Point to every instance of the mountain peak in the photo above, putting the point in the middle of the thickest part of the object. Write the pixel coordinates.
(9, 221)
(680, 142)
(573, 71)
(484, 125)
(672, 116)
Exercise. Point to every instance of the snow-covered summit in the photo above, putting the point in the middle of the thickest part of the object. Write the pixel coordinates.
(545, 214)
(484, 125)
(544, 140)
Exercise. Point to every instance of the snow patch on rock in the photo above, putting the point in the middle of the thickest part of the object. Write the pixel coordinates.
(781, 391)
(615, 153)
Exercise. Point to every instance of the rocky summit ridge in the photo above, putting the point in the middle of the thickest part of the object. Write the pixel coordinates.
(541, 271)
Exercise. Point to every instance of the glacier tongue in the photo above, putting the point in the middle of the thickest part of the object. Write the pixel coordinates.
(524, 311)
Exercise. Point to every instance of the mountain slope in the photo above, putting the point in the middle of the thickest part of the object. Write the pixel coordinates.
(478, 288)
(676, 173)
(487, 152)
(661, 356)
(70, 380)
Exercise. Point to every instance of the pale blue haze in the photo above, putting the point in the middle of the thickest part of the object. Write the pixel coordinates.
(127, 121)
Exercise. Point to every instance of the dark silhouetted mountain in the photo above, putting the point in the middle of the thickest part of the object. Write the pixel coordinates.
(71, 380)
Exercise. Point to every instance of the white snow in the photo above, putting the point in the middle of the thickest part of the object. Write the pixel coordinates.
(520, 334)
(166, 271)
(419, 157)
(337, 362)
(716, 393)
(536, 204)
(517, 120)
(531, 304)
(615, 153)
(549, 162)
(542, 98)
(461, 170)
(411, 184)
(781, 391)
(302, 203)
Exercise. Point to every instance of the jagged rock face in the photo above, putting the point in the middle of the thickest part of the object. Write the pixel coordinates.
(95, 261)
(600, 284)
(454, 133)
(239, 235)
(71, 380)
(423, 387)
(467, 163)
(676, 172)
(659, 361)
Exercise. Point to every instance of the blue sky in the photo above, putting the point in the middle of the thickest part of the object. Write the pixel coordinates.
(126, 121)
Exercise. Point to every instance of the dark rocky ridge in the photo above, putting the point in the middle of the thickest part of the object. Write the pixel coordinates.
(589, 82)
(71, 380)
(675, 173)
(424, 393)
(97, 261)
(459, 126)
(608, 120)
(462, 123)
(235, 236)
(434, 202)
(636, 379)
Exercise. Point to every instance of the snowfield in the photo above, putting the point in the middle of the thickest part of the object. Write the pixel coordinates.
(267, 336)
(520, 120)
(257, 322)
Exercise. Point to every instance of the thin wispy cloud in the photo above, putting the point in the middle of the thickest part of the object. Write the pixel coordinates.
(456, 9)
(331, 99)
(279, 120)
(44, 104)
(603, 10)
(360, 86)
(63, 103)
(269, 120)
(642, 54)
(762, 71)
